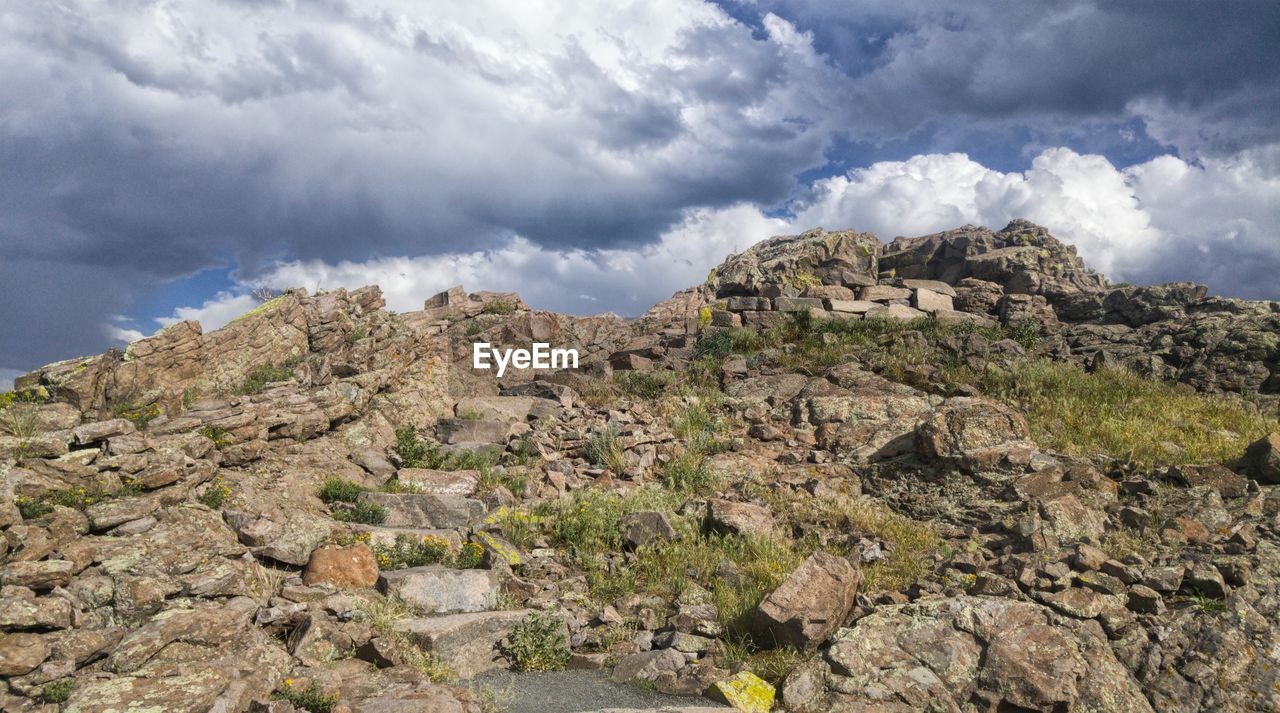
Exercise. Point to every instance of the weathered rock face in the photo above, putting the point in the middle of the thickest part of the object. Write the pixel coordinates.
(790, 264)
(810, 604)
(953, 653)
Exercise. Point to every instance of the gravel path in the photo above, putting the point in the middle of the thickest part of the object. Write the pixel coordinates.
(572, 692)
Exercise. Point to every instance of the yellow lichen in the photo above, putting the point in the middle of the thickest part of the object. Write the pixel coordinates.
(746, 692)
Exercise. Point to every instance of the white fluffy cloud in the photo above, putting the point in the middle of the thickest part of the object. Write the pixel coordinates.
(1137, 224)
(626, 281)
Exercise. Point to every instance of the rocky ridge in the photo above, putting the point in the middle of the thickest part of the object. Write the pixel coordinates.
(322, 505)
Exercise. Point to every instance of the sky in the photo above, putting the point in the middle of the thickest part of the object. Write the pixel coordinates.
(160, 159)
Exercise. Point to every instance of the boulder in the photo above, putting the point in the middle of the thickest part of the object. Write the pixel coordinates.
(745, 692)
(883, 293)
(973, 434)
(739, 518)
(437, 589)
(811, 603)
(896, 313)
(648, 665)
(466, 430)
(102, 430)
(343, 567)
(930, 301)
(1262, 460)
(645, 527)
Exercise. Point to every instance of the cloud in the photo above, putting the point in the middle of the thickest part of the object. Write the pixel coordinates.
(142, 142)
(626, 281)
(214, 312)
(1201, 75)
(1215, 221)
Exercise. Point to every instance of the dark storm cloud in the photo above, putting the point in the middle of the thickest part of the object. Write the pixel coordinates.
(143, 142)
(1049, 64)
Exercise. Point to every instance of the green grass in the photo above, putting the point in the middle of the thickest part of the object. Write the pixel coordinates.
(498, 307)
(417, 453)
(335, 490)
(644, 385)
(687, 473)
(363, 512)
(603, 450)
(258, 379)
(1123, 415)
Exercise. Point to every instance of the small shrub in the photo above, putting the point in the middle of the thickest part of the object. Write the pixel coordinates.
(219, 435)
(258, 379)
(470, 556)
(57, 691)
(410, 552)
(335, 490)
(469, 415)
(32, 508)
(412, 451)
(312, 699)
(539, 643)
(20, 420)
(603, 450)
(189, 396)
(216, 495)
(473, 329)
(363, 512)
(138, 415)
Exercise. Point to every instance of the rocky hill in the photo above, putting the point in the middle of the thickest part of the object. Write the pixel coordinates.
(959, 472)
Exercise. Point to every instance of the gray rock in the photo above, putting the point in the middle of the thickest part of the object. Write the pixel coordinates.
(439, 482)
(930, 301)
(466, 643)
(648, 665)
(1262, 460)
(645, 527)
(424, 510)
(102, 430)
(437, 589)
(464, 430)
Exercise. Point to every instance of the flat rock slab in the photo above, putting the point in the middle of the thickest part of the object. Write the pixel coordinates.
(466, 643)
(439, 482)
(427, 510)
(464, 430)
(437, 589)
(583, 692)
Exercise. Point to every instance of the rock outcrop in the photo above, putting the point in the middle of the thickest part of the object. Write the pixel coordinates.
(324, 503)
